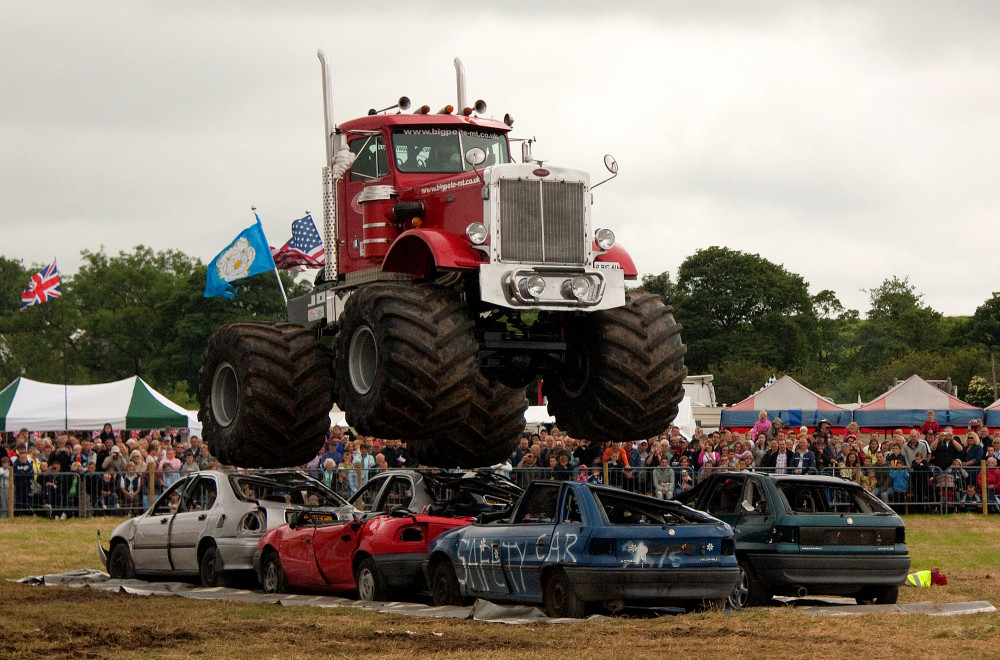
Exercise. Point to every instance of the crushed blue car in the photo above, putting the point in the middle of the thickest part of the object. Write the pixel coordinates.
(570, 546)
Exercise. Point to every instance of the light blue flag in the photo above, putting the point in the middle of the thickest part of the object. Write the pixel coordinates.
(247, 255)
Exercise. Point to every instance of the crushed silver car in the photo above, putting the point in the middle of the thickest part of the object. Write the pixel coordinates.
(207, 524)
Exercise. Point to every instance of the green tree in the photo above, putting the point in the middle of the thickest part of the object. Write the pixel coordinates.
(735, 305)
(898, 323)
(660, 285)
(979, 392)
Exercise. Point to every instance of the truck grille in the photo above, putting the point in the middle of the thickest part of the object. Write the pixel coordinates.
(542, 222)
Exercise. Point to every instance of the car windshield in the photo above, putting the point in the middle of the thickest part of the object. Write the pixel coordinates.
(285, 490)
(826, 498)
(624, 510)
(444, 149)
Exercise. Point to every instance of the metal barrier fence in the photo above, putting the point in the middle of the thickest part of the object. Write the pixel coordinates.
(929, 490)
(80, 494)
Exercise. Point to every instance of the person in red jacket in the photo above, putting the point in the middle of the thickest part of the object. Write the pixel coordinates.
(992, 474)
(931, 425)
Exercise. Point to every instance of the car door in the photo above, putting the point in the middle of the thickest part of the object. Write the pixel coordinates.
(367, 497)
(150, 546)
(526, 542)
(333, 547)
(741, 501)
(398, 494)
(298, 558)
(190, 522)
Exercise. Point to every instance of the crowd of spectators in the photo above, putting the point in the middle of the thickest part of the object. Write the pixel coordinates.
(924, 465)
(69, 474)
(72, 473)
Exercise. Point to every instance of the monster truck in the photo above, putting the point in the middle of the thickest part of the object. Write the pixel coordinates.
(454, 278)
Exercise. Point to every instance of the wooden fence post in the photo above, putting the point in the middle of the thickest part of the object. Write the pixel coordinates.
(982, 475)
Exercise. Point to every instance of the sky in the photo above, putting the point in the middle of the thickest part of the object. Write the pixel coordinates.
(847, 141)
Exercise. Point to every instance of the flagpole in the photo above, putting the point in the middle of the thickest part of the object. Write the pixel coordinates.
(281, 287)
(65, 390)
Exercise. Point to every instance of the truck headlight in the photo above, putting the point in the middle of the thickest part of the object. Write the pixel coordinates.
(605, 238)
(580, 287)
(476, 233)
(533, 285)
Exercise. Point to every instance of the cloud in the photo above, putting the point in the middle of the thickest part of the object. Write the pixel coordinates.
(849, 141)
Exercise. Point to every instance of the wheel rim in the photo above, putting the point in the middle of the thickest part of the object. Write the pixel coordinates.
(271, 578)
(208, 570)
(225, 394)
(362, 359)
(366, 584)
(741, 592)
(559, 598)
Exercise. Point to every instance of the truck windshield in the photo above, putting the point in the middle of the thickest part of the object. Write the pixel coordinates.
(443, 149)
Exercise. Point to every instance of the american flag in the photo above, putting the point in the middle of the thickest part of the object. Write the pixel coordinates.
(42, 287)
(303, 250)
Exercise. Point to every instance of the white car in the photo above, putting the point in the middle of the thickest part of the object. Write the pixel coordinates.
(208, 524)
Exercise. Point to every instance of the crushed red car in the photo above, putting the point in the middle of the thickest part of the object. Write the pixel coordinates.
(378, 553)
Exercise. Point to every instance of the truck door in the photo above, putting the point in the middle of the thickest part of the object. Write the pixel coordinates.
(371, 165)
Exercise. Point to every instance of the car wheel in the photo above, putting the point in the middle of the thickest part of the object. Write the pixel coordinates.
(756, 594)
(741, 592)
(211, 569)
(561, 601)
(120, 565)
(369, 581)
(444, 585)
(878, 596)
(272, 577)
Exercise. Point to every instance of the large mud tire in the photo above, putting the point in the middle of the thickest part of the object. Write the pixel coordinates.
(624, 374)
(265, 393)
(405, 360)
(487, 436)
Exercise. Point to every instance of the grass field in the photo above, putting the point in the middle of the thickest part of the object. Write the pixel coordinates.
(63, 622)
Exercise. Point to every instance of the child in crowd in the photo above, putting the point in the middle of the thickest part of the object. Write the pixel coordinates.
(970, 500)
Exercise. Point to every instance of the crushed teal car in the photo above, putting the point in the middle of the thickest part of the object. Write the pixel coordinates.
(799, 535)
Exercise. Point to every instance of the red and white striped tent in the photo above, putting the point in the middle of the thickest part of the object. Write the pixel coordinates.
(906, 405)
(793, 402)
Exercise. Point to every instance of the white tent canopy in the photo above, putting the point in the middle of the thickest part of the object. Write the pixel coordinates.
(125, 404)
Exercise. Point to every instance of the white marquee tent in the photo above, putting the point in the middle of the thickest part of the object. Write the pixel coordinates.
(125, 404)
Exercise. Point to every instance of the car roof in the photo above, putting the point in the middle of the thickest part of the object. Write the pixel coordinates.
(786, 478)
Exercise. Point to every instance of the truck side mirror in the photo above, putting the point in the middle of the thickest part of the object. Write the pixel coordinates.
(612, 165)
(475, 156)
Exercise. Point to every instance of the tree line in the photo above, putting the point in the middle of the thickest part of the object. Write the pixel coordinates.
(745, 319)
(138, 313)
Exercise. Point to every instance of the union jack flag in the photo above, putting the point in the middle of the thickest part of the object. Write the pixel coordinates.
(303, 250)
(42, 287)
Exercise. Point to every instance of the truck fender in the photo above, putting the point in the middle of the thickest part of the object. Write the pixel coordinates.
(617, 254)
(420, 251)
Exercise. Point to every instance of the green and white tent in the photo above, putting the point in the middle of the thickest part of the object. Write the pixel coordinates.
(125, 404)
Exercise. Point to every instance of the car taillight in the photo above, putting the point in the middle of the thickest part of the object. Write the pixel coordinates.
(728, 546)
(900, 535)
(782, 534)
